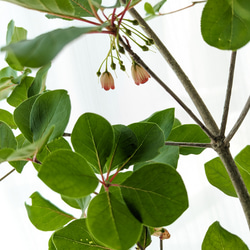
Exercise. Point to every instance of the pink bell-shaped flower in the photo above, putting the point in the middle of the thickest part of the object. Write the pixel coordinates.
(107, 81)
(139, 74)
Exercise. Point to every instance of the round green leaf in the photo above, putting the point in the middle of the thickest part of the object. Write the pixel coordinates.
(92, 137)
(218, 238)
(111, 223)
(44, 215)
(75, 236)
(155, 194)
(7, 138)
(225, 24)
(68, 173)
(50, 109)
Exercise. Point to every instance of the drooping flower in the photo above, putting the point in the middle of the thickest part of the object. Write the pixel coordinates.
(139, 74)
(107, 81)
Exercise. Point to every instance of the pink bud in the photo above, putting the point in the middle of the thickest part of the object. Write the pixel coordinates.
(139, 74)
(107, 81)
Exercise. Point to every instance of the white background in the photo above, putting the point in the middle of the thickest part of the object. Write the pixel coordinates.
(75, 70)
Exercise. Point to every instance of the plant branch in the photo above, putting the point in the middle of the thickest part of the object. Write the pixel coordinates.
(161, 244)
(239, 121)
(228, 94)
(138, 60)
(189, 144)
(197, 100)
(234, 174)
(7, 174)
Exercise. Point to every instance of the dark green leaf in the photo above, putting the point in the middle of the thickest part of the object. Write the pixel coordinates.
(150, 139)
(7, 138)
(75, 236)
(20, 93)
(218, 238)
(243, 159)
(155, 194)
(225, 24)
(7, 117)
(22, 117)
(38, 85)
(164, 119)
(68, 173)
(168, 155)
(111, 223)
(124, 146)
(218, 176)
(46, 46)
(92, 137)
(5, 153)
(14, 34)
(44, 215)
(50, 109)
(145, 239)
(189, 133)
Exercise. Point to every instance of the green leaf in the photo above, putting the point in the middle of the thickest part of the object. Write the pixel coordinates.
(68, 173)
(149, 9)
(7, 117)
(44, 215)
(189, 133)
(50, 109)
(218, 238)
(168, 155)
(145, 239)
(5, 153)
(217, 176)
(158, 6)
(124, 146)
(155, 194)
(7, 138)
(46, 46)
(150, 139)
(38, 85)
(20, 92)
(243, 159)
(164, 119)
(111, 223)
(75, 236)
(22, 117)
(225, 24)
(80, 203)
(92, 137)
(14, 34)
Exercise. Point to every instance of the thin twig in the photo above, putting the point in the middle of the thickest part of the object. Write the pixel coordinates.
(66, 134)
(184, 8)
(138, 60)
(228, 94)
(161, 244)
(189, 144)
(238, 122)
(7, 174)
(197, 100)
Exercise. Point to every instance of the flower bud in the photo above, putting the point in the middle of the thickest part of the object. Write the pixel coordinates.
(107, 81)
(139, 74)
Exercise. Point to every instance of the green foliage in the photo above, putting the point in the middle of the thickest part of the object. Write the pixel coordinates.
(44, 215)
(7, 118)
(189, 133)
(218, 238)
(153, 11)
(225, 24)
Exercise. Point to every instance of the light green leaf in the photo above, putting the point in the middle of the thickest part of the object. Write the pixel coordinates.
(7, 138)
(68, 173)
(79, 203)
(20, 92)
(14, 34)
(7, 117)
(92, 137)
(75, 236)
(189, 133)
(150, 139)
(44, 215)
(243, 159)
(155, 194)
(164, 119)
(218, 238)
(50, 109)
(217, 176)
(46, 46)
(225, 24)
(149, 9)
(111, 223)
(5, 153)
(38, 85)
